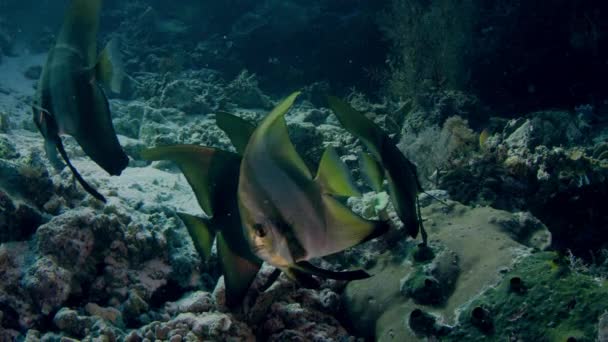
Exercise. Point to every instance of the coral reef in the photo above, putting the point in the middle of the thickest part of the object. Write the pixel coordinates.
(513, 185)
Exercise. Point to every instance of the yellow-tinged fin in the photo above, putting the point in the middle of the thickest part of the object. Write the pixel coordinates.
(201, 233)
(306, 266)
(345, 228)
(80, 27)
(273, 137)
(203, 168)
(238, 130)
(333, 176)
(371, 170)
(483, 138)
(109, 69)
(358, 124)
(238, 272)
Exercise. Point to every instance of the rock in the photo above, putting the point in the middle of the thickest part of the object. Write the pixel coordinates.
(48, 284)
(376, 305)
(434, 283)
(109, 314)
(195, 302)
(602, 328)
(244, 92)
(65, 238)
(33, 72)
(550, 300)
(69, 321)
(7, 148)
(193, 93)
(526, 229)
(18, 221)
(133, 307)
(209, 326)
(5, 123)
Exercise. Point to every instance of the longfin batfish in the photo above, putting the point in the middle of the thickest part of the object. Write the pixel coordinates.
(70, 99)
(290, 217)
(399, 171)
(213, 176)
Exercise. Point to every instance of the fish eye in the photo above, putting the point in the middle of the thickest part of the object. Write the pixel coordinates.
(259, 230)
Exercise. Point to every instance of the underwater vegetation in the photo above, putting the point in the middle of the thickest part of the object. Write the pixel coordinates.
(397, 170)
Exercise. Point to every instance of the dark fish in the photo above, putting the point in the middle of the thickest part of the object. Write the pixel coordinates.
(400, 173)
(70, 99)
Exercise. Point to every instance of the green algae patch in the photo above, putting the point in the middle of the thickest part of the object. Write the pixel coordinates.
(554, 304)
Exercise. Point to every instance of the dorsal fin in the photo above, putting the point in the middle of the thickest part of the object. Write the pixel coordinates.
(80, 27)
(203, 167)
(272, 137)
(371, 170)
(201, 232)
(333, 176)
(76, 174)
(238, 130)
(358, 124)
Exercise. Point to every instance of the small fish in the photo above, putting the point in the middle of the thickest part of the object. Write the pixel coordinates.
(483, 138)
(400, 173)
(290, 217)
(69, 98)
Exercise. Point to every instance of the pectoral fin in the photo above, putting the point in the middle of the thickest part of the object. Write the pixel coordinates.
(271, 137)
(333, 176)
(79, 178)
(305, 266)
(203, 168)
(109, 69)
(201, 233)
(238, 130)
(371, 170)
(345, 228)
(238, 272)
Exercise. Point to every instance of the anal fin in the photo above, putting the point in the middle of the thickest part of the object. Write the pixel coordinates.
(239, 272)
(303, 279)
(320, 272)
(79, 178)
